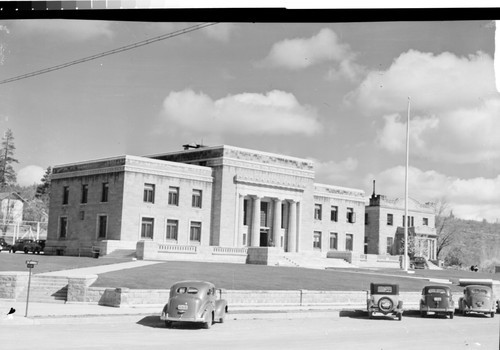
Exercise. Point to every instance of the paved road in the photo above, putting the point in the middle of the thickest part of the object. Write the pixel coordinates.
(343, 331)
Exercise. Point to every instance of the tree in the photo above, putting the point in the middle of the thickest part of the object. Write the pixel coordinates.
(445, 229)
(43, 190)
(7, 173)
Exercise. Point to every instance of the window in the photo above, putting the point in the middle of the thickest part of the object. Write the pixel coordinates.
(263, 214)
(390, 242)
(63, 227)
(366, 218)
(390, 219)
(102, 226)
(317, 212)
(105, 192)
(410, 221)
(196, 199)
(334, 213)
(172, 229)
(351, 216)
(65, 195)
(149, 193)
(147, 228)
(317, 240)
(173, 195)
(85, 193)
(348, 242)
(425, 221)
(333, 241)
(195, 231)
(245, 212)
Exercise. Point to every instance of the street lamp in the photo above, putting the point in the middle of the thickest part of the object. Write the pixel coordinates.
(406, 221)
(29, 264)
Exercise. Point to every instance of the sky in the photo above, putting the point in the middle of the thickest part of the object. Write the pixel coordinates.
(335, 93)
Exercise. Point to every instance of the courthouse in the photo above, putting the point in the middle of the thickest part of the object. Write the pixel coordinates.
(199, 202)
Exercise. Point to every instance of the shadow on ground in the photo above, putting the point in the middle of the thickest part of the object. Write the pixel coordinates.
(155, 322)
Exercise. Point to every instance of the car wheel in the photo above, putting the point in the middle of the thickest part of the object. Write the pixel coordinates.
(423, 313)
(451, 315)
(492, 314)
(26, 250)
(209, 319)
(385, 304)
(168, 324)
(370, 314)
(400, 316)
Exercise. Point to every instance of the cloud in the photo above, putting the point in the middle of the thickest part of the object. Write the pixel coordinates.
(302, 53)
(30, 175)
(462, 136)
(276, 112)
(474, 199)
(220, 31)
(79, 30)
(331, 172)
(434, 82)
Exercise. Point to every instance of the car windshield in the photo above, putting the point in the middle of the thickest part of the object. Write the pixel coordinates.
(436, 291)
(189, 290)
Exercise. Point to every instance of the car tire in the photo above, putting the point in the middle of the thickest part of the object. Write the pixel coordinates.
(381, 302)
(492, 314)
(26, 250)
(451, 315)
(209, 319)
(168, 324)
(423, 314)
(370, 314)
(400, 316)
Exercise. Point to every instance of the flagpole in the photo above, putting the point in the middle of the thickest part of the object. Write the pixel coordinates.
(406, 221)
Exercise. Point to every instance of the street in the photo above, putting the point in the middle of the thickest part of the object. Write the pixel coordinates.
(347, 330)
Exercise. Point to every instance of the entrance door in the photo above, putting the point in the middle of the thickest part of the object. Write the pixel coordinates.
(264, 238)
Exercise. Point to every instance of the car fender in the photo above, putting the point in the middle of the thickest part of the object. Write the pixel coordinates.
(220, 308)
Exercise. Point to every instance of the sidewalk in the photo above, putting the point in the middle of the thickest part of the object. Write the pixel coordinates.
(95, 270)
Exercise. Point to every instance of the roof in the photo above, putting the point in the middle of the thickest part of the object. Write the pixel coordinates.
(14, 195)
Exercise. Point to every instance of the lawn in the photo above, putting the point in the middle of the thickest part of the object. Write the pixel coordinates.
(49, 263)
(236, 276)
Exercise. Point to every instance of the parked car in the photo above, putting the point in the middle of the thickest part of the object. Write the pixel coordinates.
(384, 299)
(4, 245)
(41, 242)
(26, 245)
(437, 300)
(418, 262)
(477, 299)
(194, 301)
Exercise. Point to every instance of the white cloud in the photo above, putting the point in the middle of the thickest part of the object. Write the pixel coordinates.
(302, 53)
(30, 175)
(331, 172)
(70, 29)
(434, 82)
(475, 199)
(275, 112)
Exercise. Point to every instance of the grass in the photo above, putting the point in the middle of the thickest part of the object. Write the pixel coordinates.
(49, 263)
(236, 276)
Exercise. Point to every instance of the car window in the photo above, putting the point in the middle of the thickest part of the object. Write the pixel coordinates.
(384, 289)
(436, 291)
(192, 290)
(181, 290)
(479, 291)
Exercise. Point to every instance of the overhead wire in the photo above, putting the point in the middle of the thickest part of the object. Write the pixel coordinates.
(110, 52)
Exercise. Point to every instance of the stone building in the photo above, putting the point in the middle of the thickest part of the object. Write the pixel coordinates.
(384, 226)
(199, 202)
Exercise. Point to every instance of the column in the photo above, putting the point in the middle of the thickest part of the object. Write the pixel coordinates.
(239, 221)
(277, 222)
(255, 241)
(292, 227)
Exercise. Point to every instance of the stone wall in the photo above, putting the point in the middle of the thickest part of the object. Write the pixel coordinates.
(12, 283)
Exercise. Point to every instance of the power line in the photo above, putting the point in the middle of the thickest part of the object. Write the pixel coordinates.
(110, 52)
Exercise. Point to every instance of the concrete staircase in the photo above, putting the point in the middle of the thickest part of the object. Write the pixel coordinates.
(46, 289)
(311, 261)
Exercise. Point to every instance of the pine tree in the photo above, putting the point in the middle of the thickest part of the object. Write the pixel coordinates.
(43, 190)
(7, 174)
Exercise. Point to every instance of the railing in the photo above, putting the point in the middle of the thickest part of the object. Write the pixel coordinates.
(229, 251)
(174, 248)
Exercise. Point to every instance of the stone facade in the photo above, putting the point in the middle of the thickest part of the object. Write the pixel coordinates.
(384, 227)
(245, 198)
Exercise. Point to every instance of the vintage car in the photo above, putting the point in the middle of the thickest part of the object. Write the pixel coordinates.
(437, 300)
(384, 299)
(4, 245)
(26, 245)
(194, 301)
(418, 262)
(477, 299)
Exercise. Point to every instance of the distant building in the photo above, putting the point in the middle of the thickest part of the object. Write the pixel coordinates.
(11, 208)
(385, 221)
(200, 198)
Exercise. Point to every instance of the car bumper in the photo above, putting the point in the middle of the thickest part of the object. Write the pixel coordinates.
(165, 317)
(434, 309)
(377, 310)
